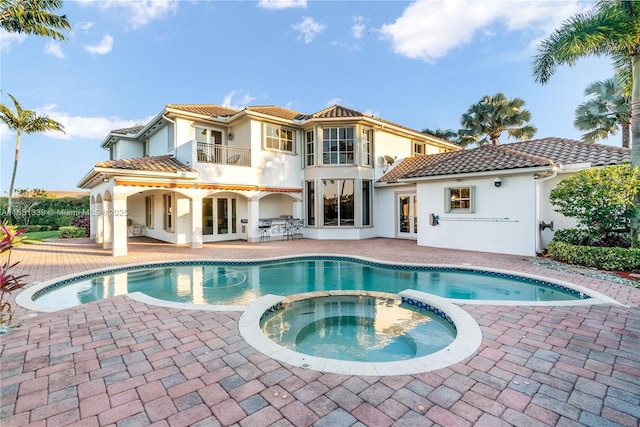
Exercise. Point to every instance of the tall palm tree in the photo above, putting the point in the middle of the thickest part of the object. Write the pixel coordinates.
(33, 17)
(602, 114)
(485, 121)
(611, 29)
(448, 134)
(28, 122)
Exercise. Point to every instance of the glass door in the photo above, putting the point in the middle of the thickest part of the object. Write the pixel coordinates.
(219, 216)
(408, 216)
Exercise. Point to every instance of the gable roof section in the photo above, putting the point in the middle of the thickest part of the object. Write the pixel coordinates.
(519, 155)
(335, 112)
(275, 111)
(204, 109)
(165, 163)
(128, 131)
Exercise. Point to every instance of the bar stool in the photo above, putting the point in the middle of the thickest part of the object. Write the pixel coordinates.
(297, 228)
(288, 230)
(265, 231)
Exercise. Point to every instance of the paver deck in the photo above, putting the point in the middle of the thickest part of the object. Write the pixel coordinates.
(124, 363)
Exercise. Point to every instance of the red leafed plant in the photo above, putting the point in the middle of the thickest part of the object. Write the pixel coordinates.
(9, 282)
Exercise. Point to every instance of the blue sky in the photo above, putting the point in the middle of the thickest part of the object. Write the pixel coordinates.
(420, 64)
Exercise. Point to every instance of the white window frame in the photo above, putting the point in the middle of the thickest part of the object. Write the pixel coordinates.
(168, 212)
(367, 147)
(309, 148)
(277, 135)
(148, 211)
(453, 198)
(418, 149)
(339, 153)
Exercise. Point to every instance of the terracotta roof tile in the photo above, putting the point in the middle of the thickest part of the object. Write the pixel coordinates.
(150, 164)
(527, 154)
(204, 109)
(335, 111)
(128, 131)
(273, 110)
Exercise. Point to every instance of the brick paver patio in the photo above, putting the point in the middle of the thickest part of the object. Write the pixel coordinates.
(124, 363)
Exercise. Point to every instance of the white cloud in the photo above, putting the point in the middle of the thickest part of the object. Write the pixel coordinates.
(54, 48)
(83, 26)
(358, 27)
(86, 127)
(138, 12)
(429, 29)
(309, 29)
(7, 39)
(102, 48)
(241, 101)
(281, 4)
(333, 101)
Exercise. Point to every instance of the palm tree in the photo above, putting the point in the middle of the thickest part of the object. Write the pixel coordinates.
(24, 121)
(485, 121)
(33, 17)
(611, 29)
(448, 134)
(602, 114)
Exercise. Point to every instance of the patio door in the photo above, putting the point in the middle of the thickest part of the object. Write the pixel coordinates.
(407, 216)
(219, 216)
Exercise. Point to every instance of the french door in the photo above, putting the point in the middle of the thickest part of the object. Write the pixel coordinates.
(407, 216)
(219, 216)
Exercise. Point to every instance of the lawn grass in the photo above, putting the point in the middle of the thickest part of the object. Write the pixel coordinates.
(38, 236)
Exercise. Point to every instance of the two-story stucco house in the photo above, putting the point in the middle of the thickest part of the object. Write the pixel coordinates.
(204, 173)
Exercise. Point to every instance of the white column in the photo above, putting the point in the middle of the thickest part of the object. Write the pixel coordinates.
(107, 225)
(92, 221)
(118, 216)
(99, 223)
(297, 209)
(196, 222)
(253, 234)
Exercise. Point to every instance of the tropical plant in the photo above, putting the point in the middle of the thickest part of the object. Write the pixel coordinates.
(448, 134)
(600, 199)
(611, 29)
(24, 121)
(33, 17)
(604, 112)
(485, 121)
(9, 282)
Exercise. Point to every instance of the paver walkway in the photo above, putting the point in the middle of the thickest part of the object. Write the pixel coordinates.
(124, 363)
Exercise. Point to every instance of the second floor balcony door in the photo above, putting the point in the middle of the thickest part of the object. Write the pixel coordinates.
(219, 216)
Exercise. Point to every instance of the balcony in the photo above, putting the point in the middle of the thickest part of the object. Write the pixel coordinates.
(223, 154)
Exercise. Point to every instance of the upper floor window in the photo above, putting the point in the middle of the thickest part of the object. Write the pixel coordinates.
(208, 136)
(419, 149)
(309, 148)
(338, 146)
(278, 138)
(459, 199)
(367, 142)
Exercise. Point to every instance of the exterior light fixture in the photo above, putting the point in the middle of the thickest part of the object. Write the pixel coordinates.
(497, 182)
(230, 136)
(536, 176)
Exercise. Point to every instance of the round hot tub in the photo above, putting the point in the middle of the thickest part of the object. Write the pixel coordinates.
(358, 333)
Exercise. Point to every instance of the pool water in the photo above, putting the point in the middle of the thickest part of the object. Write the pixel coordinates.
(358, 328)
(239, 283)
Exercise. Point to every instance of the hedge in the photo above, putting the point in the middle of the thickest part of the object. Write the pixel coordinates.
(620, 259)
(72, 232)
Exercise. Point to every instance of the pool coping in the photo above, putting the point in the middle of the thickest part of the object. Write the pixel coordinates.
(467, 341)
(25, 297)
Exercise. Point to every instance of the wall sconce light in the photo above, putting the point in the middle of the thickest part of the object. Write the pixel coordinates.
(230, 136)
(536, 176)
(497, 182)
(105, 179)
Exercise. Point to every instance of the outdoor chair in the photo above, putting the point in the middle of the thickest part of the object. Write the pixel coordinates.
(265, 231)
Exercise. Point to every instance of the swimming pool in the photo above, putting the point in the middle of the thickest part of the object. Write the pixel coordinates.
(237, 283)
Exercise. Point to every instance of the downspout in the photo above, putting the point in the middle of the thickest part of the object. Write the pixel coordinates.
(537, 208)
(175, 131)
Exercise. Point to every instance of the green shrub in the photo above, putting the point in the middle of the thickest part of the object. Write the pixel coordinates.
(72, 232)
(573, 236)
(599, 257)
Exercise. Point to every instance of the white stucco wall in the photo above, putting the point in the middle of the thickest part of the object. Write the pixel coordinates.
(126, 149)
(159, 141)
(547, 210)
(503, 222)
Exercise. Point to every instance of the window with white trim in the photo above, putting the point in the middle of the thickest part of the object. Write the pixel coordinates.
(277, 138)
(367, 143)
(419, 149)
(167, 212)
(309, 148)
(338, 145)
(459, 199)
(148, 211)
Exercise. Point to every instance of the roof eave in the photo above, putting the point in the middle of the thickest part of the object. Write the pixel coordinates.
(480, 174)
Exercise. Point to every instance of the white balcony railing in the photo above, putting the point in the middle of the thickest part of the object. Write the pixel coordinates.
(223, 154)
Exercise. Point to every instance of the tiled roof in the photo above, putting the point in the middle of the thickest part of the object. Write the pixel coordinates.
(128, 131)
(204, 109)
(150, 164)
(335, 111)
(273, 110)
(527, 154)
